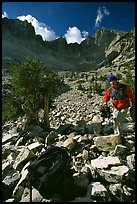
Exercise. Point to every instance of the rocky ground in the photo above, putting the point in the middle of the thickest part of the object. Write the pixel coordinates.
(104, 168)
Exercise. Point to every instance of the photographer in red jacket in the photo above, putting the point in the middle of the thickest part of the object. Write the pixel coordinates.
(122, 98)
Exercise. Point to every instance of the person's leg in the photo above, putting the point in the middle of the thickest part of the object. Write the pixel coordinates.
(116, 122)
(121, 118)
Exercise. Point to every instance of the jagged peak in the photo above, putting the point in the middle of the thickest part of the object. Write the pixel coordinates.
(102, 31)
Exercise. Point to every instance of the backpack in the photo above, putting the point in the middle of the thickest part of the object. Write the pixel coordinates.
(48, 170)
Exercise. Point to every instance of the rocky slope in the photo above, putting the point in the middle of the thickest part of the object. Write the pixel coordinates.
(104, 169)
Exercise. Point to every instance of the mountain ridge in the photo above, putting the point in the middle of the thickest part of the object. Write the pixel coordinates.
(19, 38)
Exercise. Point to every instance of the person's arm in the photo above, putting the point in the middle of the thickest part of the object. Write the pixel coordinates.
(106, 97)
(131, 96)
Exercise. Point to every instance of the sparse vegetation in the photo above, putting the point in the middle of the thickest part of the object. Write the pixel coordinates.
(32, 87)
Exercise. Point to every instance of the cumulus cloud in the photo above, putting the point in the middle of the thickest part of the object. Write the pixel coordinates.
(75, 35)
(5, 15)
(40, 28)
(102, 11)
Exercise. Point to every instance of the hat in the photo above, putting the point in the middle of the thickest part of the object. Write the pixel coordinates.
(112, 78)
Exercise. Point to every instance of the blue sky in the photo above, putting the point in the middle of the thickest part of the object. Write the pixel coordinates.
(73, 20)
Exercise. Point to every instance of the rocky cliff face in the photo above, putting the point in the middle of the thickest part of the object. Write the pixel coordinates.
(122, 48)
(18, 29)
(18, 38)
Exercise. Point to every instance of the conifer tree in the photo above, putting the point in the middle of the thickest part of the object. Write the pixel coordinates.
(32, 86)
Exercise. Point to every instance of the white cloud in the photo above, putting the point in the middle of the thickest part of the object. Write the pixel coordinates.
(105, 10)
(74, 35)
(40, 28)
(102, 11)
(5, 15)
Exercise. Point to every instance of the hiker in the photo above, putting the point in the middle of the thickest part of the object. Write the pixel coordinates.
(122, 98)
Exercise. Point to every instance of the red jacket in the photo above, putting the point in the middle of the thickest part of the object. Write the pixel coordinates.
(119, 104)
